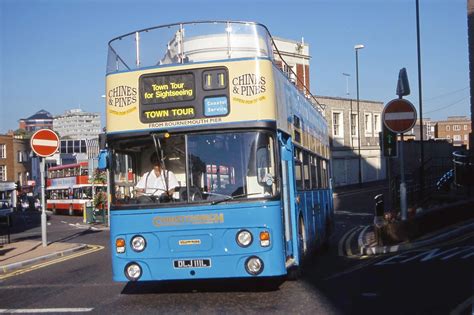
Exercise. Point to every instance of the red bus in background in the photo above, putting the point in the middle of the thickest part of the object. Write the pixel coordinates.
(69, 189)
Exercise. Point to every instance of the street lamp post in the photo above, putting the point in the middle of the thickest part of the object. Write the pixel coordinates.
(356, 48)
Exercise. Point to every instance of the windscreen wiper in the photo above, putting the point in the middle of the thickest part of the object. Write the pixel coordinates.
(233, 198)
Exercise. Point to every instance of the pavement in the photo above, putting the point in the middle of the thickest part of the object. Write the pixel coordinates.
(23, 252)
(18, 255)
(367, 244)
(432, 226)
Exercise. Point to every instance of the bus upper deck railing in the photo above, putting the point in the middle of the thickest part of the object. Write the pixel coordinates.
(188, 42)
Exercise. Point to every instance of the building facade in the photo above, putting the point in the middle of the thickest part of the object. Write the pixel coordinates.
(296, 57)
(354, 139)
(14, 159)
(428, 129)
(77, 124)
(455, 129)
(41, 120)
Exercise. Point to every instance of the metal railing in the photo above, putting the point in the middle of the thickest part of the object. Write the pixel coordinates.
(5, 224)
(434, 169)
(463, 168)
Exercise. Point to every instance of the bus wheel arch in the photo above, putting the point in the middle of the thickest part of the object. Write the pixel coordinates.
(295, 272)
(302, 238)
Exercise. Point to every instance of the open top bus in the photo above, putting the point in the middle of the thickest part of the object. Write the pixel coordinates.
(248, 150)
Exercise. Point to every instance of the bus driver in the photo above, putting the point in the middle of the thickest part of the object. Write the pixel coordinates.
(157, 182)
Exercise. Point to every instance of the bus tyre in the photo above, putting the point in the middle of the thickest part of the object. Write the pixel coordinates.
(302, 240)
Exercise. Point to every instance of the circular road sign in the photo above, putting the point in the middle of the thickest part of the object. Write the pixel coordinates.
(44, 142)
(399, 115)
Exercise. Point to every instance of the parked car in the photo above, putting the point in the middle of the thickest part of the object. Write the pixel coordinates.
(29, 203)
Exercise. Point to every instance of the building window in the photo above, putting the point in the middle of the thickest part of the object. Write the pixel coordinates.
(368, 123)
(465, 127)
(354, 125)
(466, 137)
(3, 151)
(457, 137)
(448, 128)
(456, 128)
(337, 124)
(3, 173)
(20, 157)
(377, 126)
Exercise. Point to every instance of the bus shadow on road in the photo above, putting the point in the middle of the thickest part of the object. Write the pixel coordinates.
(205, 285)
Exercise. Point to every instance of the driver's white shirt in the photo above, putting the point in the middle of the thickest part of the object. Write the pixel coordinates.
(156, 185)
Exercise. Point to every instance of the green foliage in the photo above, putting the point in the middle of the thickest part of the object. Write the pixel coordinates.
(99, 177)
(100, 200)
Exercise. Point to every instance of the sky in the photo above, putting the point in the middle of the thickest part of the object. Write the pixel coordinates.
(53, 53)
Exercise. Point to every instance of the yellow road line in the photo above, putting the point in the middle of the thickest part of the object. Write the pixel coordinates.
(91, 249)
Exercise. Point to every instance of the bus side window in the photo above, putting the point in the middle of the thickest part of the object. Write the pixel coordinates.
(306, 174)
(314, 172)
(320, 177)
(325, 174)
(298, 169)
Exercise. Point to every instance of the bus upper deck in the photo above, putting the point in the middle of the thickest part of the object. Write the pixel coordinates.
(191, 42)
(200, 74)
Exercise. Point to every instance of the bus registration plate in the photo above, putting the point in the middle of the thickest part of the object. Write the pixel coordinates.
(192, 263)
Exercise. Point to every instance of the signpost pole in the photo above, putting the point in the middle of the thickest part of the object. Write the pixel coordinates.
(43, 205)
(44, 143)
(403, 188)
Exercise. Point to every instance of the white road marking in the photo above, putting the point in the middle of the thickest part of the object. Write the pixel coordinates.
(370, 294)
(349, 213)
(46, 310)
(343, 238)
(348, 241)
(464, 306)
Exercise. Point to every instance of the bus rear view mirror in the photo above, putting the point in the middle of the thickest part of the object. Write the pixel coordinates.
(103, 155)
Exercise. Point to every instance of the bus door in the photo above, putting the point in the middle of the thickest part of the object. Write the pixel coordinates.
(288, 200)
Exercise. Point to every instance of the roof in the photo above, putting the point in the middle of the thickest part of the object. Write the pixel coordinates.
(60, 167)
(42, 114)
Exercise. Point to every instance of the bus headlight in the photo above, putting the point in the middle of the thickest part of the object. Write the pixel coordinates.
(138, 243)
(244, 238)
(133, 271)
(254, 265)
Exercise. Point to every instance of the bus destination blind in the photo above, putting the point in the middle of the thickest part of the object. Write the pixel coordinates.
(167, 88)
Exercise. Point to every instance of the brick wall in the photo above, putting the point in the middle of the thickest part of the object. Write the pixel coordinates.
(15, 169)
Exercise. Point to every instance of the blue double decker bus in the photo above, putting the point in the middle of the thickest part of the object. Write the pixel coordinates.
(244, 156)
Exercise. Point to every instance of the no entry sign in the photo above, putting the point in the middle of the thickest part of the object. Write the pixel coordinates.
(399, 115)
(44, 142)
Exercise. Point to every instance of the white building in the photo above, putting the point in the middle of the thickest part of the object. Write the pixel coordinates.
(354, 139)
(77, 124)
(296, 56)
